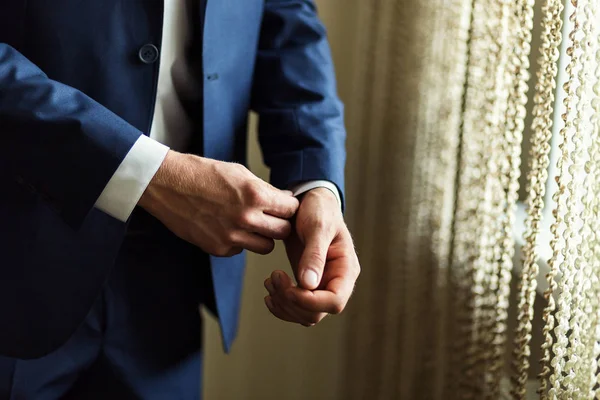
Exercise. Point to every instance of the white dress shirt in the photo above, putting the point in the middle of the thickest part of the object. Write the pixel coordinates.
(171, 126)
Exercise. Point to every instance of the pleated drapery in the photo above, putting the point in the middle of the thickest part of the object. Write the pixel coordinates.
(441, 104)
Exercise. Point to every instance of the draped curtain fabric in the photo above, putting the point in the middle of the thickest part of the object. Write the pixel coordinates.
(439, 105)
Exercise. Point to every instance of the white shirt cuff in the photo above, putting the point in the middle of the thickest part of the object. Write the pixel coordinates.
(130, 180)
(310, 185)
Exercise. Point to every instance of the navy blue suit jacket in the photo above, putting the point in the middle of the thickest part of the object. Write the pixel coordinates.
(75, 96)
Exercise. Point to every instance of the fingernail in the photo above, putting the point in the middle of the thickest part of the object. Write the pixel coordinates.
(276, 279)
(269, 286)
(310, 278)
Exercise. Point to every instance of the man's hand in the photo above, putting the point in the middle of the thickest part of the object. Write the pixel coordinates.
(324, 262)
(220, 207)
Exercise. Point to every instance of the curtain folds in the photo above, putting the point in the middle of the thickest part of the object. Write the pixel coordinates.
(440, 104)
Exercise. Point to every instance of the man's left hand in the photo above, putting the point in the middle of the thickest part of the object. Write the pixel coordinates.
(324, 262)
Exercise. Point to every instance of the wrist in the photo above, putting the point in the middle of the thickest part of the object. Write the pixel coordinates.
(322, 194)
(161, 180)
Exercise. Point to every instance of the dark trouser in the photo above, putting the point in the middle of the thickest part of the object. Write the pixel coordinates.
(141, 340)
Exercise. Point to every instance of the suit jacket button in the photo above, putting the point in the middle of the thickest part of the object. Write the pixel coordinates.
(148, 54)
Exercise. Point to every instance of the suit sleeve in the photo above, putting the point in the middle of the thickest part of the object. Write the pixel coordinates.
(57, 141)
(301, 127)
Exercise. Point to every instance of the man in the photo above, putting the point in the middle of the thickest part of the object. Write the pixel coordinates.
(125, 204)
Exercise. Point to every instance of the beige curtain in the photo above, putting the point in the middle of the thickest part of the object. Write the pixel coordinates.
(447, 82)
(405, 194)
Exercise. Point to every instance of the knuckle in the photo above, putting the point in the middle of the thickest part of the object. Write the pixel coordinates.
(337, 307)
(246, 220)
(234, 251)
(357, 268)
(226, 246)
(230, 239)
(221, 250)
(321, 228)
(316, 225)
(291, 209)
(357, 271)
(239, 169)
(227, 251)
(253, 192)
(267, 248)
(270, 247)
(286, 229)
(320, 225)
(317, 257)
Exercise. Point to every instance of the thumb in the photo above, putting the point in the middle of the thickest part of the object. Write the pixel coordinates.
(313, 259)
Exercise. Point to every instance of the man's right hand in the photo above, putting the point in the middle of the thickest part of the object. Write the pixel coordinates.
(218, 206)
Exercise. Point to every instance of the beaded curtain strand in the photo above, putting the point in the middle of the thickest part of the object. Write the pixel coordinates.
(536, 189)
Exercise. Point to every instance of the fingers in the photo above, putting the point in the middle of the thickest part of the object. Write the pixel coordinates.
(314, 256)
(281, 281)
(341, 278)
(271, 301)
(279, 306)
(298, 315)
(276, 311)
(317, 301)
(253, 242)
(269, 286)
(278, 283)
(333, 300)
(271, 211)
(279, 203)
(268, 226)
(288, 313)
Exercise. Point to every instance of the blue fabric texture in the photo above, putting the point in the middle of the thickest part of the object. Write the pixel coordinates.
(140, 340)
(75, 96)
